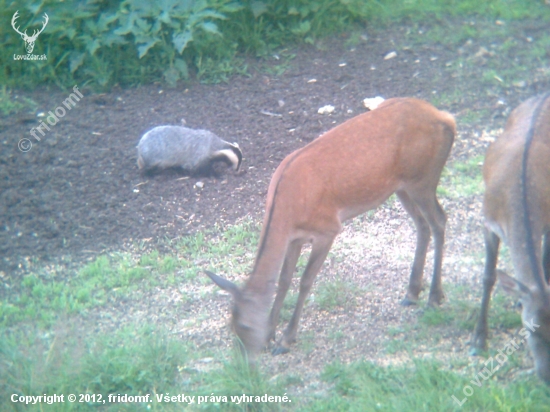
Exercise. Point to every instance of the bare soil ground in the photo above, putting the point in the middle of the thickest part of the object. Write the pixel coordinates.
(78, 193)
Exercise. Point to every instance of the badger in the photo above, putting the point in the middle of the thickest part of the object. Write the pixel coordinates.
(193, 150)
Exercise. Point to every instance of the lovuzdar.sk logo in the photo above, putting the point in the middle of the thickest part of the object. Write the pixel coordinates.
(29, 40)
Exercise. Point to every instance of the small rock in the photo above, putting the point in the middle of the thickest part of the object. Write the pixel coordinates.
(373, 102)
(200, 185)
(326, 109)
(312, 81)
(390, 55)
(482, 52)
(520, 84)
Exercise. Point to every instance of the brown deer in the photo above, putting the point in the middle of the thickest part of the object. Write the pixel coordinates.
(400, 147)
(516, 207)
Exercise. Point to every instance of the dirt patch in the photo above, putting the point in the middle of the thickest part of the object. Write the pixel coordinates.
(78, 190)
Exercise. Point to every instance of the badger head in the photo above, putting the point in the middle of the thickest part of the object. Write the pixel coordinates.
(231, 153)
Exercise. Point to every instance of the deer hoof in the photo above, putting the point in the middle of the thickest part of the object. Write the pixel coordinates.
(408, 302)
(474, 351)
(279, 350)
(435, 303)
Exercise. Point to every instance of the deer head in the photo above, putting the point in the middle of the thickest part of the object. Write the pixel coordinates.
(29, 40)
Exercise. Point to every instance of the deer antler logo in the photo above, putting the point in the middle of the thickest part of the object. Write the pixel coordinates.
(29, 40)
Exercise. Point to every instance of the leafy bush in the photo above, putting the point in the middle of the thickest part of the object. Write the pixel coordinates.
(106, 42)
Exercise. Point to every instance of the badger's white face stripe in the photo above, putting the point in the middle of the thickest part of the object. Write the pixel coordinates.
(230, 154)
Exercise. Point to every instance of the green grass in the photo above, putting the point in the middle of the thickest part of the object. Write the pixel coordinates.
(421, 385)
(135, 360)
(48, 343)
(13, 104)
(43, 295)
(460, 179)
(459, 314)
(338, 293)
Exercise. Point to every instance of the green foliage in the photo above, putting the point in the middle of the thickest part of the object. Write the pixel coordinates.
(336, 294)
(135, 360)
(103, 42)
(42, 296)
(462, 178)
(236, 378)
(423, 386)
(106, 42)
(12, 104)
(436, 317)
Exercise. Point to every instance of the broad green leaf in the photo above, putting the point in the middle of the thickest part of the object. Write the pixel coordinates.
(182, 67)
(200, 5)
(258, 8)
(144, 48)
(180, 40)
(126, 23)
(93, 46)
(171, 75)
(165, 17)
(232, 7)
(76, 60)
(302, 28)
(106, 19)
(110, 38)
(210, 27)
(70, 32)
(142, 25)
(199, 17)
(293, 11)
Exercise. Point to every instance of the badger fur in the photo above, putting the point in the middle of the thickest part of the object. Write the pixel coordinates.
(192, 150)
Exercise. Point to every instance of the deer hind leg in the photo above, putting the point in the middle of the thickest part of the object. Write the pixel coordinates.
(492, 242)
(319, 252)
(285, 280)
(422, 241)
(434, 214)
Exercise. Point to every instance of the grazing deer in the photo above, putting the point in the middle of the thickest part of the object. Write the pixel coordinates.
(517, 209)
(400, 147)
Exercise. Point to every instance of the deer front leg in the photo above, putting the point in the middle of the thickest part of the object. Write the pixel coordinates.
(319, 252)
(492, 242)
(285, 280)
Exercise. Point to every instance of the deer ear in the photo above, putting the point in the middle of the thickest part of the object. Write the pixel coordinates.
(225, 284)
(512, 286)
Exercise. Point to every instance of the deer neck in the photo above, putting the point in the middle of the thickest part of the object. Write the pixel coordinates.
(269, 261)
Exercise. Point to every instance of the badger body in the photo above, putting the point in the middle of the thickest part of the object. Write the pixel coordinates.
(192, 150)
